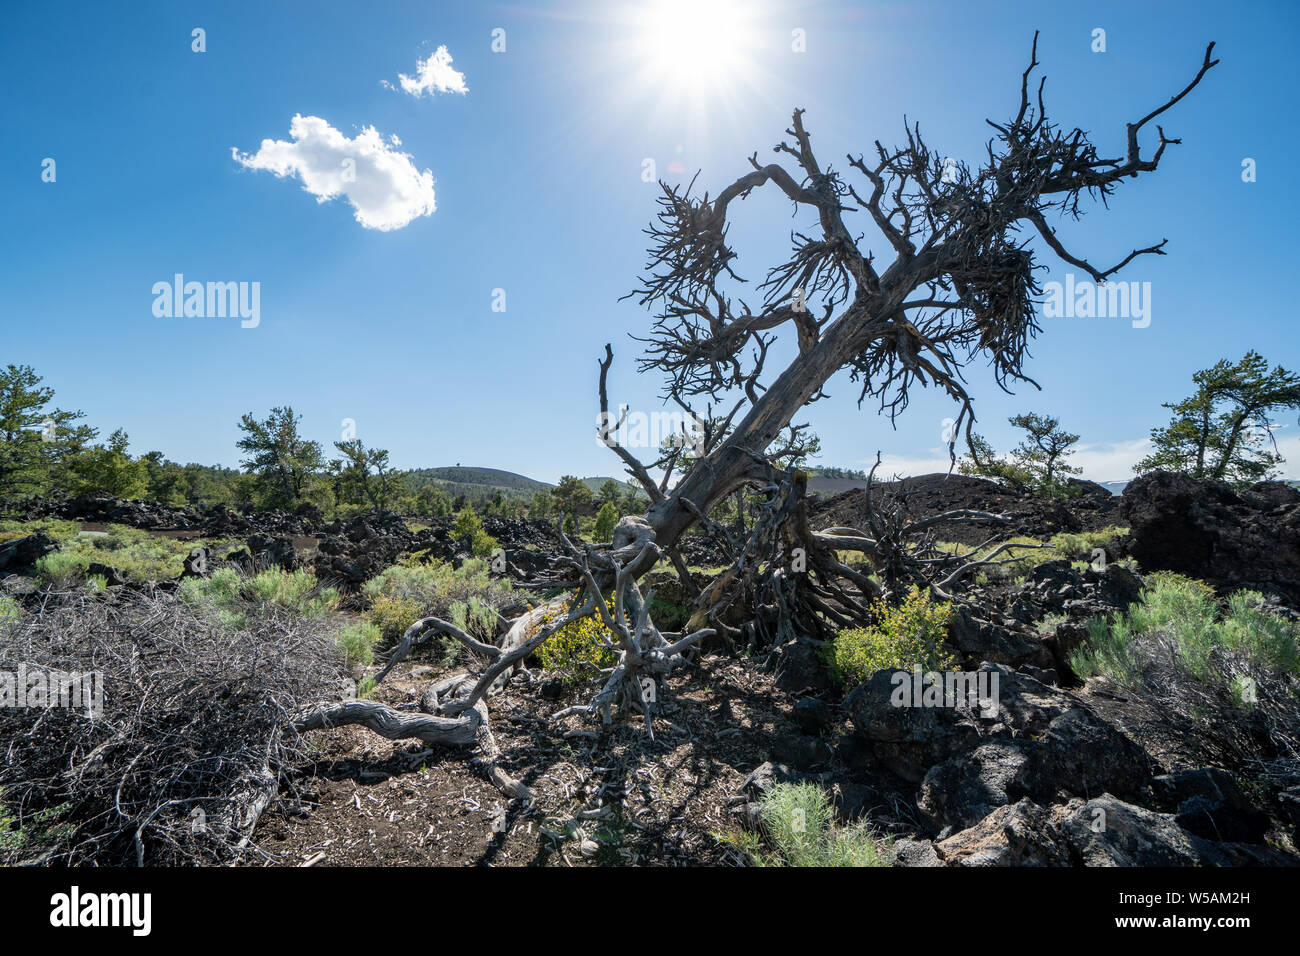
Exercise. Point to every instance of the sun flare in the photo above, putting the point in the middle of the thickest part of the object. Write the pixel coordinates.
(695, 47)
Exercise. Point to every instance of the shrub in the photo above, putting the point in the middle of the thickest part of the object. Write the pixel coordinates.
(799, 823)
(1186, 609)
(468, 526)
(1108, 650)
(221, 587)
(10, 610)
(475, 617)
(61, 568)
(435, 587)
(1266, 638)
(905, 636)
(297, 590)
(230, 593)
(357, 642)
(1185, 612)
(578, 646)
(393, 614)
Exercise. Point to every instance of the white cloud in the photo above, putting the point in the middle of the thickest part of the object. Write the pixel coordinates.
(1110, 461)
(433, 75)
(381, 183)
(906, 466)
(1289, 448)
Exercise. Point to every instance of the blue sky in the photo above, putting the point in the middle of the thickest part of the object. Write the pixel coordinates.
(537, 173)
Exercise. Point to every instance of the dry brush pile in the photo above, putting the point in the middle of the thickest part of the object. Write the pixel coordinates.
(194, 730)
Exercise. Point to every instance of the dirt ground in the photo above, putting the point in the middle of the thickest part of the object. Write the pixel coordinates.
(606, 798)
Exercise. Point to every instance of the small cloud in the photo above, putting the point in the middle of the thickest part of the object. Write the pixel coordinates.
(382, 185)
(1110, 461)
(433, 75)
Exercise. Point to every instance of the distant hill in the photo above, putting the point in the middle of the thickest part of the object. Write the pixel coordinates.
(476, 483)
(829, 480)
(623, 486)
(820, 485)
(833, 481)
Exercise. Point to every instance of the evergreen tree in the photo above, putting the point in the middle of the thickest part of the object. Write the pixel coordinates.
(606, 519)
(36, 442)
(1038, 464)
(609, 491)
(571, 495)
(468, 527)
(540, 506)
(1224, 430)
(283, 462)
(108, 469)
(363, 474)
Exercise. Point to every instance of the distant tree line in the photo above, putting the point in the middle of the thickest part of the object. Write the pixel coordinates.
(1224, 430)
(45, 449)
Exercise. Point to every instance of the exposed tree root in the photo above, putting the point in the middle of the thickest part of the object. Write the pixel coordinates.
(454, 712)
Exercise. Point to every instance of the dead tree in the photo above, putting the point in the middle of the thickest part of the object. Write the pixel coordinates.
(959, 284)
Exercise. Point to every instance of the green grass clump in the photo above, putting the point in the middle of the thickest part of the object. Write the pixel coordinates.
(799, 825)
(58, 529)
(357, 641)
(1186, 613)
(905, 636)
(61, 568)
(233, 594)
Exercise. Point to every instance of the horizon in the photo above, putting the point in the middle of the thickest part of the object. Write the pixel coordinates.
(504, 154)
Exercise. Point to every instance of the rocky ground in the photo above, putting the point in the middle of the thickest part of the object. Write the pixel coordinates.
(1091, 507)
(1061, 771)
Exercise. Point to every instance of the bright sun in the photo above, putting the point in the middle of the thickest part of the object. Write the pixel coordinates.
(695, 47)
